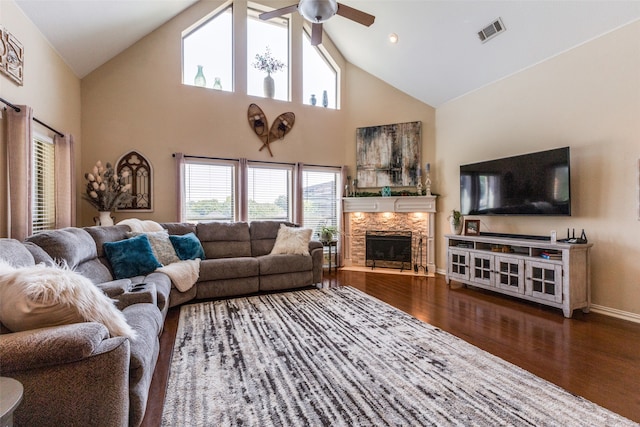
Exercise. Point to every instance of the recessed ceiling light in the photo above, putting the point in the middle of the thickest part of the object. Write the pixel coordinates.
(393, 38)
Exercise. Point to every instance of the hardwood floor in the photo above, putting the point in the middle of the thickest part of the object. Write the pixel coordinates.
(591, 355)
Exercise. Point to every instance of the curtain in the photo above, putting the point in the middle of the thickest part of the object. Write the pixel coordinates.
(344, 172)
(180, 185)
(19, 152)
(243, 189)
(65, 177)
(298, 206)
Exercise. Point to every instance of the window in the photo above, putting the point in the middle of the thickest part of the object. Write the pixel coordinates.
(207, 53)
(208, 60)
(321, 194)
(209, 191)
(43, 205)
(274, 35)
(269, 192)
(319, 75)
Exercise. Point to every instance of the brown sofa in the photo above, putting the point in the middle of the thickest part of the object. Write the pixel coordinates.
(77, 374)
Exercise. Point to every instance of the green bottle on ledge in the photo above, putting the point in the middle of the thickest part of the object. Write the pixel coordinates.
(199, 80)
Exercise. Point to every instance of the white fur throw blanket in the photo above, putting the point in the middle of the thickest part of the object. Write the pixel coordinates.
(140, 226)
(183, 274)
(40, 296)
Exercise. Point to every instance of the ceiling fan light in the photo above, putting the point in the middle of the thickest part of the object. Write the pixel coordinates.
(393, 38)
(317, 11)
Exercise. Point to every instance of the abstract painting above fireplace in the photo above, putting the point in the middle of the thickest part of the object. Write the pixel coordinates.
(388, 155)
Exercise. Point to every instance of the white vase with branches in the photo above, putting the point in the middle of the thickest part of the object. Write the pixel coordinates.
(106, 190)
(268, 64)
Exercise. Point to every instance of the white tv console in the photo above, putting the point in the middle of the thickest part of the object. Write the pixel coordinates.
(551, 273)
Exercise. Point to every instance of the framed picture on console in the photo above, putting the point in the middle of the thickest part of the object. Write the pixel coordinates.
(471, 227)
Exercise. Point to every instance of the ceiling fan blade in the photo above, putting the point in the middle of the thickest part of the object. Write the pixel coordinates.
(355, 15)
(316, 34)
(278, 12)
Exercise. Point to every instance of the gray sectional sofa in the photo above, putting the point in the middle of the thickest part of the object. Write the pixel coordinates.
(78, 374)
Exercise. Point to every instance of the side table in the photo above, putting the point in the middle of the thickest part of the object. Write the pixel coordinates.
(333, 253)
(10, 397)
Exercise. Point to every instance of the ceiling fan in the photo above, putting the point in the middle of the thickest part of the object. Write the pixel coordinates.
(319, 11)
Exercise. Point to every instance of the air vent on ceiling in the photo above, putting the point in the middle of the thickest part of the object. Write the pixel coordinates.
(491, 31)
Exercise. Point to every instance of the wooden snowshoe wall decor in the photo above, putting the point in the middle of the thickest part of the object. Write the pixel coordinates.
(280, 127)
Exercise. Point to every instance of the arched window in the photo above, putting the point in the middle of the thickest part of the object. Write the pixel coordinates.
(208, 57)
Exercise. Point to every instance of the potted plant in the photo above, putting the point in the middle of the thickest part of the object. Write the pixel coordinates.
(269, 64)
(455, 222)
(326, 232)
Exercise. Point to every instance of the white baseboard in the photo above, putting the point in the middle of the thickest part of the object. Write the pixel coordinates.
(614, 312)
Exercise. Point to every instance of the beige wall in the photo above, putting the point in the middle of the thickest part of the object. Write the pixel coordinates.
(136, 101)
(372, 102)
(50, 88)
(589, 99)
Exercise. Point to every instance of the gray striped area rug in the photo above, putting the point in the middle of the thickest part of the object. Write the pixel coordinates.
(338, 357)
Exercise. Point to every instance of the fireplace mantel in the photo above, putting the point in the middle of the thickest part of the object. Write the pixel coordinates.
(389, 204)
(359, 208)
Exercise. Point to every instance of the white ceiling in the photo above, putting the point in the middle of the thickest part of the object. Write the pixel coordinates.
(438, 57)
(87, 33)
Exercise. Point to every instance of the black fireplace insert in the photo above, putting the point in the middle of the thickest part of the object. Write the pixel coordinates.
(391, 249)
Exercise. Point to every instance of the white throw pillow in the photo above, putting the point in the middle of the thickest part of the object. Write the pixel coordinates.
(292, 241)
(40, 296)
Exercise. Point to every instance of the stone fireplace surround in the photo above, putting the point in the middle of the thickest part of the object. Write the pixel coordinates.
(403, 213)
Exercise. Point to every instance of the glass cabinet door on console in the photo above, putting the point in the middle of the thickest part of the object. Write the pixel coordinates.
(481, 270)
(544, 281)
(458, 264)
(510, 274)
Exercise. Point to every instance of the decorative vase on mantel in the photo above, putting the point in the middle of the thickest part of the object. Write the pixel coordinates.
(104, 218)
(269, 86)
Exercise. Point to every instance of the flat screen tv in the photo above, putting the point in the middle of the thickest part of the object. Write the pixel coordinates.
(529, 184)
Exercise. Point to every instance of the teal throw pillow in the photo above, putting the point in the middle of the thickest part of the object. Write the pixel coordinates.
(187, 246)
(131, 257)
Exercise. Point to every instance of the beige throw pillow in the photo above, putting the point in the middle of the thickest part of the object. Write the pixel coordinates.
(40, 296)
(161, 245)
(292, 241)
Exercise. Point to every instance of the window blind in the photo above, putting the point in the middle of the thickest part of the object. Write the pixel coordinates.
(269, 193)
(43, 214)
(209, 193)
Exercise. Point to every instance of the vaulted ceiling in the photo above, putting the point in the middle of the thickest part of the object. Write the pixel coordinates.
(438, 57)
